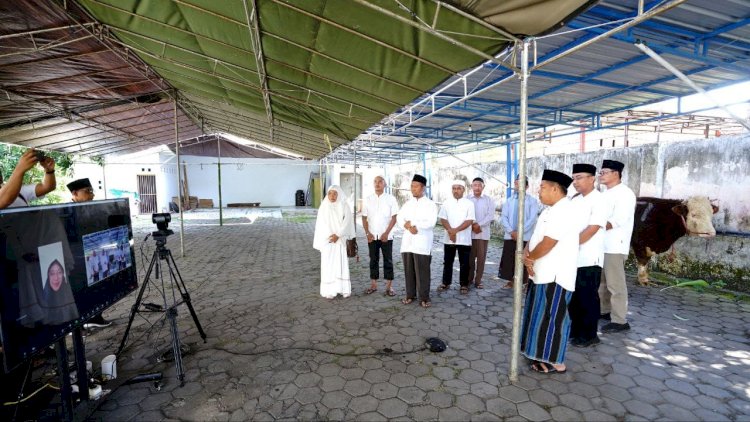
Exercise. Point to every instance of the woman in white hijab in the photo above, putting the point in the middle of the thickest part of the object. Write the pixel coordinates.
(333, 227)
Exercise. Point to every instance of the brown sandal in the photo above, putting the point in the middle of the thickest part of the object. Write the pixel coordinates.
(464, 290)
(426, 304)
(407, 300)
(443, 287)
(371, 291)
(390, 292)
(479, 286)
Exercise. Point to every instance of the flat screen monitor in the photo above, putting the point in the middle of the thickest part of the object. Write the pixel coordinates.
(60, 266)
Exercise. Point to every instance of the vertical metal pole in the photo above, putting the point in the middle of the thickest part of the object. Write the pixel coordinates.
(179, 182)
(385, 176)
(518, 274)
(583, 138)
(508, 171)
(104, 180)
(355, 186)
(221, 212)
(424, 170)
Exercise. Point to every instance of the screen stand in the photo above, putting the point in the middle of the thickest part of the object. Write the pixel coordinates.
(79, 353)
(63, 372)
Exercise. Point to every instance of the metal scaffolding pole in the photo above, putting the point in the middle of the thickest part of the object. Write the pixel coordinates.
(179, 182)
(218, 167)
(518, 274)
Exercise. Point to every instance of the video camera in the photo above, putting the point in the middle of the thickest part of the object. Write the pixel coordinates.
(162, 223)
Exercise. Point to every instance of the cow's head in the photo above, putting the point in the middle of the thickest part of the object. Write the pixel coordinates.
(696, 213)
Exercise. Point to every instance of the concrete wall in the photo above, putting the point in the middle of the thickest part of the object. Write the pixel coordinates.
(272, 182)
(718, 168)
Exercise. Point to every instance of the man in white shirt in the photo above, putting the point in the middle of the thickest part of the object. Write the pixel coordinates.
(15, 194)
(613, 290)
(584, 305)
(378, 218)
(509, 221)
(456, 215)
(417, 217)
(550, 258)
(484, 213)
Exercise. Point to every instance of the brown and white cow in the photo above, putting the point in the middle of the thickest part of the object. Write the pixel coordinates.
(660, 222)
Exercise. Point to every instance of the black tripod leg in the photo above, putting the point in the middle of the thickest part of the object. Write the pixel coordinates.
(172, 316)
(137, 303)
(185, 295)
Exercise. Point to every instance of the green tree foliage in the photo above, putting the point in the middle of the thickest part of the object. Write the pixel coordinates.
(63, 169)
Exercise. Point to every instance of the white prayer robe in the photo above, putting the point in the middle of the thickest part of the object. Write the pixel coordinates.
(334, 218)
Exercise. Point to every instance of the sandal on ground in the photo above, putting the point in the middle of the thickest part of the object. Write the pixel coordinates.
(546, 368)
(426, 304)
(443, 287)
(479, 286)
(508, 285)
(407, 300)
(371, 290)
(390, 292)
(464, 290)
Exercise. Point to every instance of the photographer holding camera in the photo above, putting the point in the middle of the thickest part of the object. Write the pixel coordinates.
(14, 193)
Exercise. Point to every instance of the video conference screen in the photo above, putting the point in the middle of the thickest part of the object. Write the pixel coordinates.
(60, 266)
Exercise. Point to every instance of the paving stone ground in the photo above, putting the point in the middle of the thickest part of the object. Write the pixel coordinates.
(277, 350)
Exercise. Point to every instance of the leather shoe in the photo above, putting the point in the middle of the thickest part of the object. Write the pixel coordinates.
(613, 327)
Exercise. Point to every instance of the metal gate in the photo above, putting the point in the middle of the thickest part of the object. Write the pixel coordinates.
(147, 194)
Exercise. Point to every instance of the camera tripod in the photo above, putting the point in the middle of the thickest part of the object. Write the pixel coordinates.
(162, 253)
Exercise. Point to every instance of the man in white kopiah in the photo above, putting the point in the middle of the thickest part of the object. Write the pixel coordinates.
(335, 224)
(484, 213)
(456, 215)
(378, 218)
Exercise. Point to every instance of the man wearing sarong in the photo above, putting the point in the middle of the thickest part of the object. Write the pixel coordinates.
(550, 257)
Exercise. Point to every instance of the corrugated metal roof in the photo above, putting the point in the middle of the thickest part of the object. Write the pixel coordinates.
(709, 41)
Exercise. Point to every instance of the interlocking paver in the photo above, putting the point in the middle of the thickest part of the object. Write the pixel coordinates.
(561, 413)
(357, 387)
(470, 403)
(392, 408)
(663, 368)
(533, 411)
(384, 390)
(364, 404)
(453, 414)
(513, 393)
(336, 399)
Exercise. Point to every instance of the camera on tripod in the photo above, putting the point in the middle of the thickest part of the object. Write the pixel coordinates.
(162, 223)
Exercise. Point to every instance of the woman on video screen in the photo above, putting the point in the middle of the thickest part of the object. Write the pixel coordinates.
(57, 298)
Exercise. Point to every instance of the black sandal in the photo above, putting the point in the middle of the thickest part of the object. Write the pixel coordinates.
(390, 292)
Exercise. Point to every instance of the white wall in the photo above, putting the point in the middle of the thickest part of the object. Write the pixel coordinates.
(272, 182)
